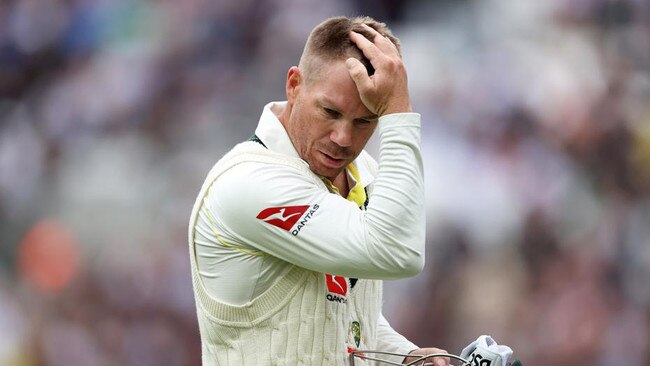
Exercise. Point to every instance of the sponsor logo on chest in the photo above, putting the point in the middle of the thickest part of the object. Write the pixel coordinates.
(338, 288)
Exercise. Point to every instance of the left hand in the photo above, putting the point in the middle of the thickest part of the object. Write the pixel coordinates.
(437, 361)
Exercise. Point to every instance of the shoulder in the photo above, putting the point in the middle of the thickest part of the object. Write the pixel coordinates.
(249, 165)
(252, 180)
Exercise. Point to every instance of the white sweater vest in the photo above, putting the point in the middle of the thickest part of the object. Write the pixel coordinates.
(293, 322)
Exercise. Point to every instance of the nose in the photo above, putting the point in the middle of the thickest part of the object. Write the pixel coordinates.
(342, 133)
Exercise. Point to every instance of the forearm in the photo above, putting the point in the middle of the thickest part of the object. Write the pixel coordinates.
(334, 236)
(396, 213)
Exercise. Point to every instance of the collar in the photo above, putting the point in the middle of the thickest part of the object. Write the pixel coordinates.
(272, 133)
(357, 192)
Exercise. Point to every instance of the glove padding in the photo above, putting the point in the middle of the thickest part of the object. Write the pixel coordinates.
(486, 352)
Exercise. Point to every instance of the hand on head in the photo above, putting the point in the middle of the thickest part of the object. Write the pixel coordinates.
(386, 91)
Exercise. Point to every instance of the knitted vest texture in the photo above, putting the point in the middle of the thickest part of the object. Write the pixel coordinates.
(297, 321)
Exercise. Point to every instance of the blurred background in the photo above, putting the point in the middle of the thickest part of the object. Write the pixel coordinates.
(536, 138)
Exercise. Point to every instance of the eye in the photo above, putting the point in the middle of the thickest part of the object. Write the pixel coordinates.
(330, 113)
(363, 122)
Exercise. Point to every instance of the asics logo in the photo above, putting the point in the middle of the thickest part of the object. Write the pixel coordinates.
(478, 360)
(284, 217)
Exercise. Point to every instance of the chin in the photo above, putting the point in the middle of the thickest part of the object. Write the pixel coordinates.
(324, 172)
(331, 175)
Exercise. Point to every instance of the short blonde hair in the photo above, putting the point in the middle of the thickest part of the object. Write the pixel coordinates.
(330, 41)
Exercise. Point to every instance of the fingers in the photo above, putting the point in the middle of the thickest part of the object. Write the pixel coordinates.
(420, 356)
(386, 91)
(441, 361)
(368, 48)
(378, 51)
(359, 74)
(381, 41)
(377, 45)
(437, 361)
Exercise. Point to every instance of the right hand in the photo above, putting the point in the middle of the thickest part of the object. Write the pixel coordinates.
(437, 361)
(386, 91)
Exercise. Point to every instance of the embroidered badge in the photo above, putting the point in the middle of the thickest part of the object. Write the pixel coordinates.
(355, 329)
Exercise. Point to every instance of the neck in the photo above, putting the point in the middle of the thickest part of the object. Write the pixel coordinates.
(341, 183)
(341, 180)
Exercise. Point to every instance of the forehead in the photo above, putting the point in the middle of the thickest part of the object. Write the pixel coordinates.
(324, 74)
(332, 84)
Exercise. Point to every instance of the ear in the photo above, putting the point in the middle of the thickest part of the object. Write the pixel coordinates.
(294, 81)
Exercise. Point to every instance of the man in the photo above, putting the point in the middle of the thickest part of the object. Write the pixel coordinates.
(293, 230)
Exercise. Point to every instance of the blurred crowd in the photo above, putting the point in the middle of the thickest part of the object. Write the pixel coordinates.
(536, 140)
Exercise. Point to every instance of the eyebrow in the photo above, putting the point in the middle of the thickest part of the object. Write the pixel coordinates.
(327, 103)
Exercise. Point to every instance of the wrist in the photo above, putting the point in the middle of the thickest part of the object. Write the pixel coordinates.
(400, 120)
(405, 108)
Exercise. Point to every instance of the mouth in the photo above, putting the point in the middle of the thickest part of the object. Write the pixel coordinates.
(331, 161)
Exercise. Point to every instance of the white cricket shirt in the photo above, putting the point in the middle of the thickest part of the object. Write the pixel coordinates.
(263, 219)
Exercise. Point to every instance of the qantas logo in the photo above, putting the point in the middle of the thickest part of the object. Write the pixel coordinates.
(337, 284)
(337, 288)
(283, 217)
(305, 220)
